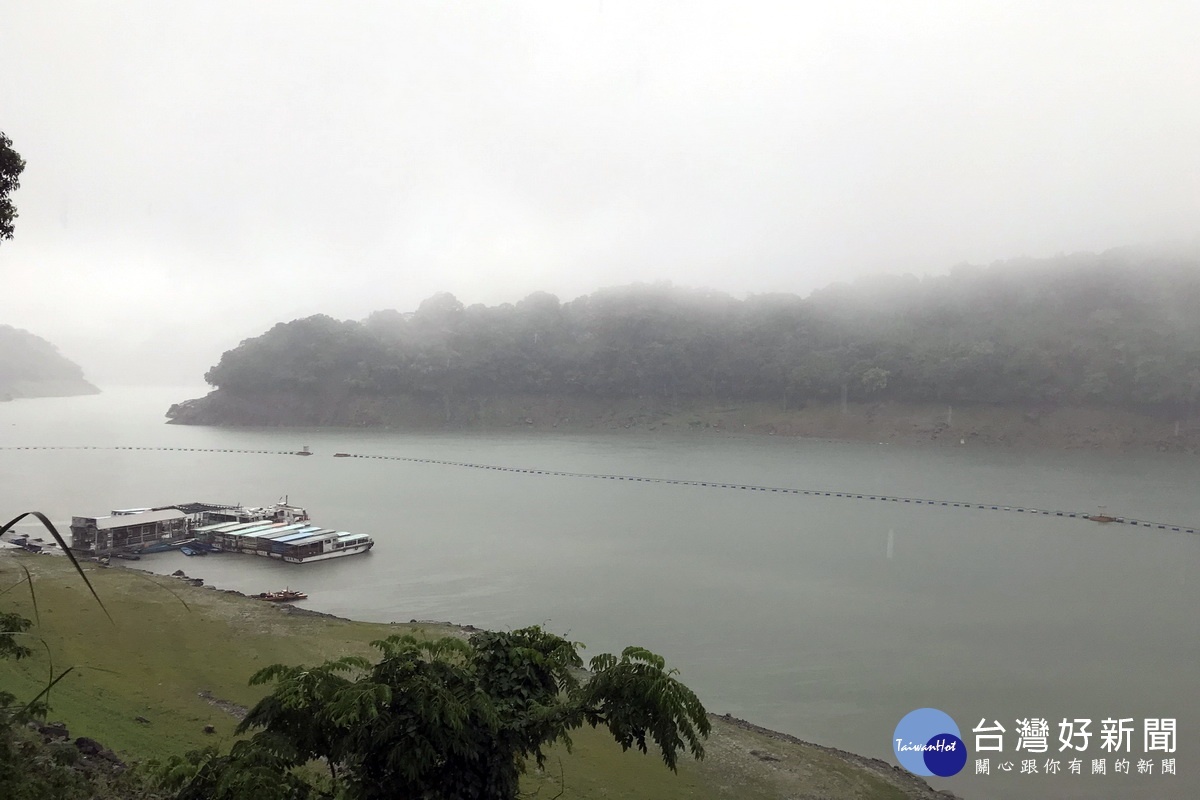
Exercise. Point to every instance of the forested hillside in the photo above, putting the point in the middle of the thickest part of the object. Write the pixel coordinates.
(1117, 330)
(32, 367)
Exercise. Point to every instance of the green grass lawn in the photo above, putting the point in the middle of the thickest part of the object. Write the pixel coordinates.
(157, 655)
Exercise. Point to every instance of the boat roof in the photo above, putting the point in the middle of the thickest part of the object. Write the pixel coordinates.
(275, 527)
(227, 527)
(313, 539)
(291, 537)
(216, 526)
(288, 530)
(253, 528)
(129, 520)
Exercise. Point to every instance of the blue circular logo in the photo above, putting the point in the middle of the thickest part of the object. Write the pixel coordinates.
(927, 742)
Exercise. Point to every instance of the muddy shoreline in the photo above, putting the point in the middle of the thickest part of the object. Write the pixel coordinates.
(1058, 428)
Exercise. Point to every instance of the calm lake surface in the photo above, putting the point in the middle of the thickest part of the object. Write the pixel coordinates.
(790, 611)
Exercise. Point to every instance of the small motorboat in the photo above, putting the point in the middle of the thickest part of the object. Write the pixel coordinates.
(283, 596)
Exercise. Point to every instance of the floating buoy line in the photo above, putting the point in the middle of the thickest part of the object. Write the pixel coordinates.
(882, 498)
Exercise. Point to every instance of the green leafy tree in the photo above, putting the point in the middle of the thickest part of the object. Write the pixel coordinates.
(11, 167)
(445, 719)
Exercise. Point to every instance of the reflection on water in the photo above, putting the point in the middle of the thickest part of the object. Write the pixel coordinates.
(823, 617)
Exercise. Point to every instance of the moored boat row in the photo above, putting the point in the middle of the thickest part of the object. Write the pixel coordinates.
(294, 542)
(280, 531)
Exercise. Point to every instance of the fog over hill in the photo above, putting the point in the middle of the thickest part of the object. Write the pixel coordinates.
(1115, 330)
(353, 159)
(30, 366)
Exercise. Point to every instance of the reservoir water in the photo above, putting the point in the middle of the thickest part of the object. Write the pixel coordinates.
(827, 618)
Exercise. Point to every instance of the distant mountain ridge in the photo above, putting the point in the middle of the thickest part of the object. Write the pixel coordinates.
(30, 366)
(1117, 330)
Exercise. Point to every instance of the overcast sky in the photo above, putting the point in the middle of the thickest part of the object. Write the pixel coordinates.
(200, 170)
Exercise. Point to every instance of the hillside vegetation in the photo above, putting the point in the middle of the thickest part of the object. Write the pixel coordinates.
(1114, 331)
(30, 366)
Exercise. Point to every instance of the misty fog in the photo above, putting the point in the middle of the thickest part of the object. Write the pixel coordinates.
(200, 171)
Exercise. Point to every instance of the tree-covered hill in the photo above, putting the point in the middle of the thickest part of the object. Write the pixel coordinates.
(1118, 330)
(30, 366)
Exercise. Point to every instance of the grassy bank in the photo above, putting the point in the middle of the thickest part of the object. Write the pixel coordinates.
(182, 667)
